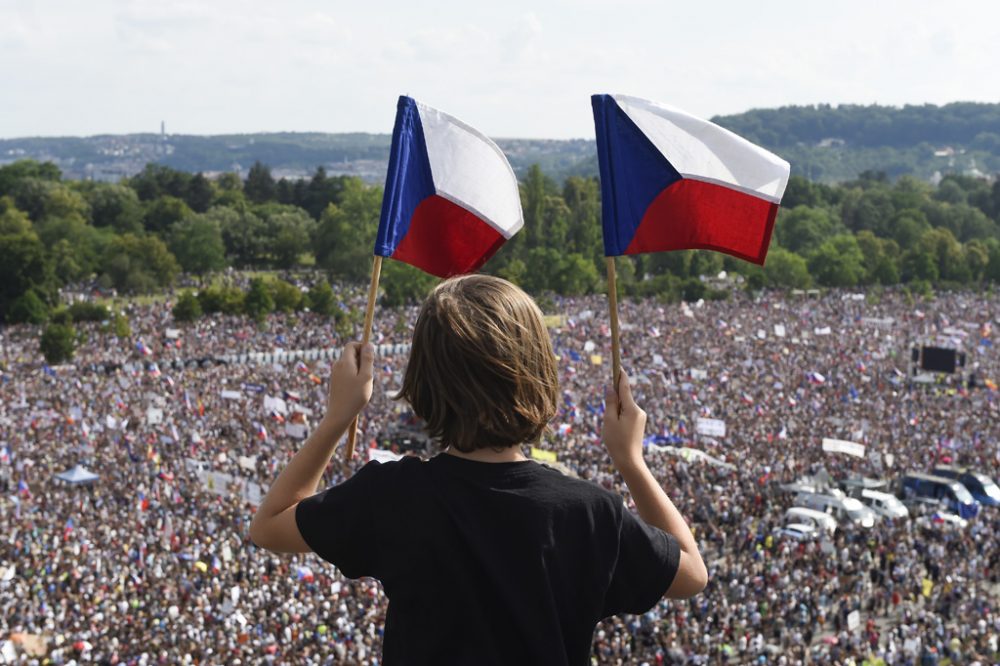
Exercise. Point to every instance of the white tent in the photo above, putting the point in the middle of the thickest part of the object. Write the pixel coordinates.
(79, 474)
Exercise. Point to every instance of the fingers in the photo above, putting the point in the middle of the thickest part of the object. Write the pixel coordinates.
(366, 367)
(625, 390)
(610, 400)
(359, 357)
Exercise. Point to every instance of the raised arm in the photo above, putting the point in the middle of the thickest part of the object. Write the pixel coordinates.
(624, 423)
(273, 526)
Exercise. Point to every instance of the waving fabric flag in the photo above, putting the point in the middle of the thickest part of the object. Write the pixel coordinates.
(670, 181)
(451, 198)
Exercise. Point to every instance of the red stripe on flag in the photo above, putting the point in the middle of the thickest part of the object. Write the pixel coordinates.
(695, 215)
(445, 239)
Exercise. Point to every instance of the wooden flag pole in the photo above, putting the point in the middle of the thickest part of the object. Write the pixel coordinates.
(352, 431)
(616, 352)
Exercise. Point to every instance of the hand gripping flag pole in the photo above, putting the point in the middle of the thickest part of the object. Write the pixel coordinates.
(352, 431)
(671, 181)
(450, 202)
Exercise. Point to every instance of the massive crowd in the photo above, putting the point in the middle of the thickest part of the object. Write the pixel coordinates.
(151, 563)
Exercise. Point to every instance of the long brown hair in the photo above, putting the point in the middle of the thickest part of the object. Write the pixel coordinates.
(482, 373)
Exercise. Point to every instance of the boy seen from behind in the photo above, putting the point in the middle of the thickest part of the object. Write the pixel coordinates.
(486, 557)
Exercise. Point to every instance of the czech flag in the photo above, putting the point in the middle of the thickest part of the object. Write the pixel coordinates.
(451, 198)
(670, 181)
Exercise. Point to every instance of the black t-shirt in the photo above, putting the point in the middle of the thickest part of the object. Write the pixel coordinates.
(489, 563)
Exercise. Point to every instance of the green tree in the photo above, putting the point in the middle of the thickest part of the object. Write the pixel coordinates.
(992, 271)
(917, 264)
(58, 343)
(786, 270)
(881, 258)
(320, 298)
(803, 229)
(163, 213)
(139, 264)
(45, 198)
(243, 234)
(908, 226)
(258, 302)
(196, 242)
(87, 311)
(200, 193)
(288, 231)
(157, 180)
(259, 186)
(947, 254)
(28, 308)
(583, 197)
(403, 284)
(346, 233)
(230, 191)
(115, 206)
(12, 220)
(838, 262)
(25, 266)
(226, 300)
(286, 296)
(11, 174)
(977, 258)
(187, 308)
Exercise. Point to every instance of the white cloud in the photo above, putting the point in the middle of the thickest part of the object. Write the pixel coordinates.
(514, 69)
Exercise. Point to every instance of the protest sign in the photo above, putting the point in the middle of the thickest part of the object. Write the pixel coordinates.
(710, 427)
(843, 446)
(154, 416)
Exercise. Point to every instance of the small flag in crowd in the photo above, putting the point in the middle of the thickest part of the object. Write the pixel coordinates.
(815, 378)
(671, 181)
(451, 198)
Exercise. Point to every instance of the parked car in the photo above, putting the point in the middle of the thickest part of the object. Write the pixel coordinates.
(884, 504)
(845, 509)
(982, 488)
(797, 531)
(817, 519)
(942, 519)
(950, 492)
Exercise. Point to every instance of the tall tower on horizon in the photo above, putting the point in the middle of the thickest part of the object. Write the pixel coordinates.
(163, 130)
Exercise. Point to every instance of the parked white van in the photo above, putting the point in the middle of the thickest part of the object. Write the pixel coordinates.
(846, 509)
(885, 504)
(803, 516)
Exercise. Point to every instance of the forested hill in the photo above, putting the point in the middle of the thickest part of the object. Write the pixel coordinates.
(962, 123)
(836, 143)
(823, 143)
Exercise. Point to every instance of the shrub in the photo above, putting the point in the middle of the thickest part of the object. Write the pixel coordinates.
(85, 311)
(58, 343)
(187, 307)
(28, 309)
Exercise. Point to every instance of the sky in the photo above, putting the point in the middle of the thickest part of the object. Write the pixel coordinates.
(511, 69)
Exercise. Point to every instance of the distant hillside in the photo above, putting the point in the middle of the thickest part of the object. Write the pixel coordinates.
(836, 143)
(291, 155)
(824, 143)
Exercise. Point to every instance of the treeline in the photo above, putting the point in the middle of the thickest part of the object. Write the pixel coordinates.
(971, 124)
(137, 236)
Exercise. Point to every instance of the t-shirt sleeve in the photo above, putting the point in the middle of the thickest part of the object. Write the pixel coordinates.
(647, 562)
(346, 524)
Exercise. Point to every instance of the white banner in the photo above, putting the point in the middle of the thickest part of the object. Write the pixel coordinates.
(382, 455)
(154, 416)
(296, 430)
(231, 395)
(710, 427)
(843, 446)
(275, 405)
(779, 330)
